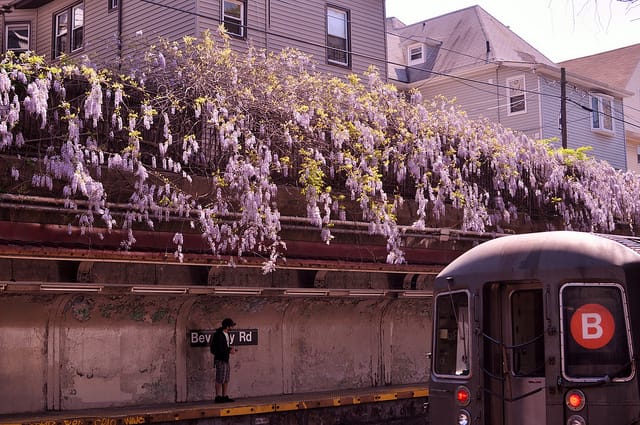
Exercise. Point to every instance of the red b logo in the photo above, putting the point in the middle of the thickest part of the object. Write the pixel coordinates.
(592, 326)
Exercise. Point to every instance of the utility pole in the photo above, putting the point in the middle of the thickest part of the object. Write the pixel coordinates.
(563, 106)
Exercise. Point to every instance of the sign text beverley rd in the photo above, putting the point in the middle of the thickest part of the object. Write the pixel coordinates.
(202, 337)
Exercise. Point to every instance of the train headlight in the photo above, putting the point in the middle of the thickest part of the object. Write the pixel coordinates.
(463, 396)
(576, 420)
(575, 400)
(464, 418)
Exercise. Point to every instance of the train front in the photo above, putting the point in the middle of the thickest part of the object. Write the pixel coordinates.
(537, 329)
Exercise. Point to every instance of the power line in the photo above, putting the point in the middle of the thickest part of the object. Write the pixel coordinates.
(407, 67)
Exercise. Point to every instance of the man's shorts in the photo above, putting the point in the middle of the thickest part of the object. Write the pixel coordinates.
(223, 371)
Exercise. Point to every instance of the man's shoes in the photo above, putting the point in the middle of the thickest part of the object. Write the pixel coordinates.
(220, 399)
(226, 399)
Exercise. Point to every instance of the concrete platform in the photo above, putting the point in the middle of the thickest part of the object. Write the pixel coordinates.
(257, 406)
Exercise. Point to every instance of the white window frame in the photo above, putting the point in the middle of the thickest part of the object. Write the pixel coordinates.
(17, 26)
(516, 95)
(235, 21)
(68, 37)
(113, 4)
(411, 50)
(338, 55)
(602, 114)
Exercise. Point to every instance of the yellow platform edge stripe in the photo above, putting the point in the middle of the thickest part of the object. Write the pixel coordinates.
(202, 412)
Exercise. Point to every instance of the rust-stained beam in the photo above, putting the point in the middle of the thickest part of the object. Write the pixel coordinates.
(55, 242)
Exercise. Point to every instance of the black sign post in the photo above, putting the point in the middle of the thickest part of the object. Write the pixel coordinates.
(202, 337)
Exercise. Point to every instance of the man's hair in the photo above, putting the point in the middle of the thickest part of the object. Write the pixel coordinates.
(227, 323)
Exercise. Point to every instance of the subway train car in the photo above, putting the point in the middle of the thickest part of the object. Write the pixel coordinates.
(539, 329)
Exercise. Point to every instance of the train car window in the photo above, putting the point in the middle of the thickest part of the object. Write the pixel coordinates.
(596, 343)
(451, 338)
(527, 333)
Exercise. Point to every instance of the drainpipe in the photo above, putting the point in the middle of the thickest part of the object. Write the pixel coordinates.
(120, 7)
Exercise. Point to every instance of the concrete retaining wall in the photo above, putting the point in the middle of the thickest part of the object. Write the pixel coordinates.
(82, 351)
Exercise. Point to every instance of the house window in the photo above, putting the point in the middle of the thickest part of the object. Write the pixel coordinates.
(69, 30)
(233, 16)
(338, 36)
(602, 113)
(113, 4)
(638, 154)
(16, 37)
(415, 54)
(516, 95)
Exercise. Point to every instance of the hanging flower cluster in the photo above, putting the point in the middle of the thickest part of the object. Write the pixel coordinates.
(248, 124)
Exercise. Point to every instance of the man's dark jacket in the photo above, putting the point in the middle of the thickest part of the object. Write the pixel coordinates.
(219, 347)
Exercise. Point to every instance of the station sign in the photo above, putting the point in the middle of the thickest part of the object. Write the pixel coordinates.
(202, 337)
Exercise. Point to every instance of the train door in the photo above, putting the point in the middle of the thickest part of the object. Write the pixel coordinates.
(513, 361)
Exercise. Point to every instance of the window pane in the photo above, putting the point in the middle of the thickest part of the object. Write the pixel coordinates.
(337, 37)
(607, 118)
(337, 23)
(415, 53)
(517, 103)
(77, 36)
(18, 37)
(528, 333)
(61, 23)
(594, 332)
(452, 334)
(595, 114)
(233, 18)
(337, 49)
(60, 42)
(78, 16)
(233, 10)
(516, 95)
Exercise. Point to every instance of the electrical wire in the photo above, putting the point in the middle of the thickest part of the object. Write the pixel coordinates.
(464, 80)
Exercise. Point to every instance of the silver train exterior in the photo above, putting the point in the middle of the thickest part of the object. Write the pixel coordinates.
(538, 328)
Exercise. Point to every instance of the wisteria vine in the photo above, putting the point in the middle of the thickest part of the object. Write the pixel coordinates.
(247, 124)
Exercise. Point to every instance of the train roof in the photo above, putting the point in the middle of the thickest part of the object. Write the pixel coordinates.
(539, 256)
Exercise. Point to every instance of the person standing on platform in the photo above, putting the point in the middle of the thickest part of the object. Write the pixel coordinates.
(221, 348)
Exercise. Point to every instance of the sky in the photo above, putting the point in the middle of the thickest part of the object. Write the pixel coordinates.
(559, 29)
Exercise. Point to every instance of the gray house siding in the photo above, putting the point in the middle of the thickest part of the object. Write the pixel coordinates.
(610, 148)
(483, 95)
(303, 25)
(271, 24)
(210, 17)
(19, 17)
(143, 22)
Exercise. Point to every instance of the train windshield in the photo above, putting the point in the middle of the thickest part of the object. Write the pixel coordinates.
(596, 343)
(451, 336)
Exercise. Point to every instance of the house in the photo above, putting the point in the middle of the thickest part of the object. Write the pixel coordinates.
(343, 36)
(492, 73)
(625, 74)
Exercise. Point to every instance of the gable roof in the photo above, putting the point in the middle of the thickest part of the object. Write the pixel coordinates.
(599, 66)
(456, 41)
